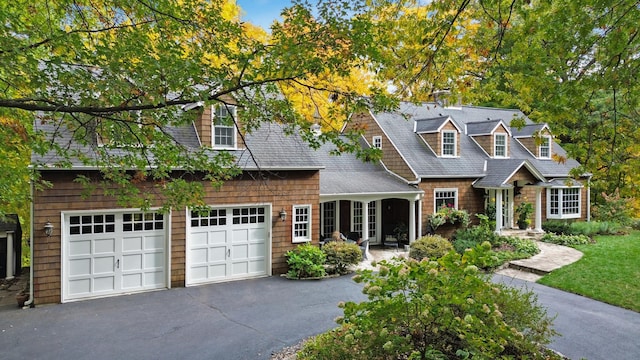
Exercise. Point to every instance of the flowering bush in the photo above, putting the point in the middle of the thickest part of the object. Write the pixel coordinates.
(447, 213)
(444, 309)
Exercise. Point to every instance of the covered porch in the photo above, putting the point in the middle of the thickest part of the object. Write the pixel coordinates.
(383, 219)
(509, 183)
(364, 200)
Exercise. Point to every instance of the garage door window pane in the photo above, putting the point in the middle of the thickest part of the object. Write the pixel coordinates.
(142, 221)
(87, 224)
(253, 215)
(213, 217)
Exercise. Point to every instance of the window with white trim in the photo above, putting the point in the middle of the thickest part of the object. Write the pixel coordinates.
(224, 130)
(449, 143)
(500, 145)
(445, 197)
(377, 142)
(563, 203)
(301, 223)
(544, 150)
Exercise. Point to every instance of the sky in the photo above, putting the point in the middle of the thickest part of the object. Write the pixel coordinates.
(262, 12)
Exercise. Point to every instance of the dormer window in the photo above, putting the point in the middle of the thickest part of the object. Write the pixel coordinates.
(449, 143)
(544, 150)
(441, 134)
(500, 145)
(224, 131)
(377, 142)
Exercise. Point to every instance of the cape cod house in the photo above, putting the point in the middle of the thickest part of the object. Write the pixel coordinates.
(467, 157)
(471, 158)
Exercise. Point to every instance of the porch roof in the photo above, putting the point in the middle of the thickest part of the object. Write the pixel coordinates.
(499, 172)
(346, 177)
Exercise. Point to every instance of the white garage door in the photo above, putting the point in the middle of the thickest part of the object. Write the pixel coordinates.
(228, 243)
(113, 253)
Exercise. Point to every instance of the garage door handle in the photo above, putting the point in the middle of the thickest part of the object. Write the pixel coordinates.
(118, 264)
(228, 252)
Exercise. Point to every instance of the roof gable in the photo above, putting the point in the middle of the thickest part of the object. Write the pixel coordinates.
(488, 127)
(529, 130)
(433, 125)
(499, 173)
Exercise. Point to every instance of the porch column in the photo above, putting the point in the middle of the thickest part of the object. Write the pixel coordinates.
(412, 221)
(419, 201)
(498, 211)
(538, 224)
(365, 220)
(10, 255)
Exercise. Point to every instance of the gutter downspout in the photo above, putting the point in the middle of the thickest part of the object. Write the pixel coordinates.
(30, 303)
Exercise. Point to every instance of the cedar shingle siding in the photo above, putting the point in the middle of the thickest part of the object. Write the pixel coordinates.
(250, 188)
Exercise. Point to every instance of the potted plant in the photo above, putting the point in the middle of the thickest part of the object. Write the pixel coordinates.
(401, 233)
(524, 211)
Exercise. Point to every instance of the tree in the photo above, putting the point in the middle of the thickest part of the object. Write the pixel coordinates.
(572, 65)
(124, 70)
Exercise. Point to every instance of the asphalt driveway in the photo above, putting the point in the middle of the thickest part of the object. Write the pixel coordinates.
(251, 319)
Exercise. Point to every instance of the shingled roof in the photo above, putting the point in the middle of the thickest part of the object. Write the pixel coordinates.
(268, 148)
(399, 126)
(346, 175)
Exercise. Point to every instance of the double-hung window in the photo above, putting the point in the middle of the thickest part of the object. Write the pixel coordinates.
(301, 223)
(449, 143)
(224, 132)
(544, 150)
(445, 197)
(563, 203)
(500, 145)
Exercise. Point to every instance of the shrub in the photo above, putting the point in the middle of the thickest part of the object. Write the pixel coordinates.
(430, 246)
(556, 226)
(305, 261)
(470, 237)
(592, 228)
(340, 254)
(460, 245)
(614, 207)
(493, 250)
(524, 248)
(435, 310)
(567, 240)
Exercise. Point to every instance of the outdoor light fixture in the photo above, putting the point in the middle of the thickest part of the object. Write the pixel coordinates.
(48, 228)
(283, 215)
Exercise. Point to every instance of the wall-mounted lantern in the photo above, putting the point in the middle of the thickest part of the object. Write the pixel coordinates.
(48, 228)
(283, 215)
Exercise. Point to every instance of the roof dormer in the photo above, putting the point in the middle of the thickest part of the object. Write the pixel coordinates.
(492, 136)
(217, 126)
(442, 134)
(537, 139)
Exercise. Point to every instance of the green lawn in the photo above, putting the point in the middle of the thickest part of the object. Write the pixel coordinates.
(609, 271)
